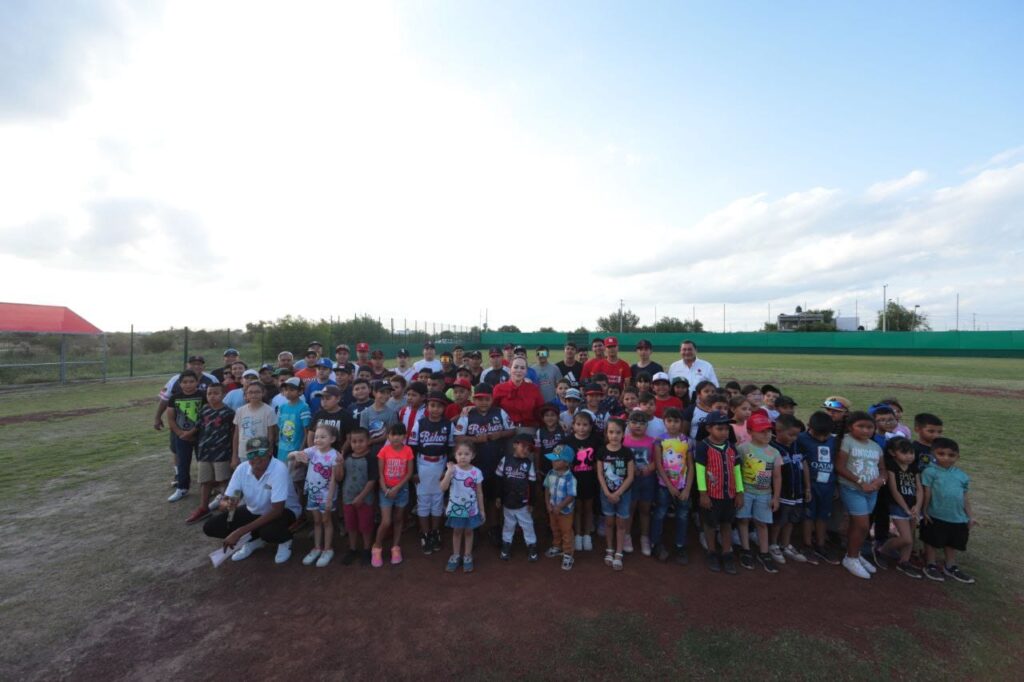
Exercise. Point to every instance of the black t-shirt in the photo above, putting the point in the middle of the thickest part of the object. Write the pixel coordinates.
(496, 376)
(585, 454)
(186, 408)
(515, 474)
(924, 455)
(356, 409)
(614, 464)
(570, 373)
(477, 424)
(219, 373)
(269, 391)
(341, 420)
(906, 481)
(432, 439)
(215, 429)
(651, 369)
(545, 442)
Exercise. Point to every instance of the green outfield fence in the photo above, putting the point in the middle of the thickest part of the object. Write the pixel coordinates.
(1000, 344)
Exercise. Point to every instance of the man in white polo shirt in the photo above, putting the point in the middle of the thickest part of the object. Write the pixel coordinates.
(271, 505)
(692, 368)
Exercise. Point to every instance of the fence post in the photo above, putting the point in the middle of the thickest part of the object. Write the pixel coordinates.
(184, 356)
(63, 359)
(103, 340)
(263, 337)
(131, 352)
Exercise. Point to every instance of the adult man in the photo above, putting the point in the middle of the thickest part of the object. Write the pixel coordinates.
(341, 357)
(459, 356)
(362, 355)
(617, 370)
(268, 382)
(230, 358)
(474, 359)
(429, 360)
(285, 360)
(404, 369)
(496, 373)
(271, 505)
(314, 346)
(570, 367)
(692, 368)
(548, 375)
(644, 363)
(378, 372)
(597, 345)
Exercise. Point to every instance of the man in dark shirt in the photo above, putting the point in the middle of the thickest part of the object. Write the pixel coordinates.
(644, 363)
(570, 367)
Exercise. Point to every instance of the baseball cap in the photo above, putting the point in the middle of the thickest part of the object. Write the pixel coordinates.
(495, 352)
(266, 366)
(593, 388)
(315, 343)
(294, 382)
(280, 371)
(341, 368)
(329, 390)
(382, 385)
(197, 358)
(462, 383)
(643, 343)
(548, 407)
(230, 351)
(717, 419)
(482, 389)
(573, 394)
(324, 362)
(660, 376)
(519, 349)
(311, 352)
(257, 445)
(402, 353)
(437, 397)
(508, 346)
(561, 452)
(342, 346)
(417, 387)
(250, 373)
(784, 401)
(428, 344)
(759, 421)
(680, 380)
(523, 438)
(611, 341)
(474, 354)
(362, 346)
(377, 354)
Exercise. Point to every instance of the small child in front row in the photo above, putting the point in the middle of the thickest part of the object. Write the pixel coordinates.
(464, 483)
(795, 492)
(904, 484)
(517, 476)
(559, 496)
(948, 517)
(321, 488)
(357, 499)
(395, 471)
(720, 483)
(675, 482)
(615, 474)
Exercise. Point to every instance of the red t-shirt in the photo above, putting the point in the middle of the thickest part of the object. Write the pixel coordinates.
(454, 410)
(394, 463)
(618, 372)
(521, 402)
(588, 368)
(662, 404)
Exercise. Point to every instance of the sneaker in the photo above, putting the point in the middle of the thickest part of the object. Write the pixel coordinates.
(578, 544)
(809, 556)
(531, 553)
(426, 543)
(617, 562)
(349, 557)
(436, 540)
(768, 562)
(453, 563)
(933, 572)
(868, 566)
(506, 551)
(609, 557)
(776, 554)
(311, 558)
(878, 556)
(248, 548)
(729, 563)
(747, 559)
(713, 562)
(681, 558)
(215, 503)
(567, 562)
(793, 554)
(910, 570)
(197, 515)
(325, 558)
(377, 561)
(588, 543)
(627, 544)
(826, 554)
(703, 541)
(177, 494)
(661, 552)
(552, 552)
(467, 564)
(855, 567)
(396, 555)
(956, 574)
(366, 558)
(645, 545)
(284, 552)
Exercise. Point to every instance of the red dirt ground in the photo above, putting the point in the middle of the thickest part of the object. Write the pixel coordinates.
(47, 416)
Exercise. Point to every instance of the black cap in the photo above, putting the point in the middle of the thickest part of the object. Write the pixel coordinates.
(382, 385)
(428, 344)
(784, 401)
(474, 354)
(417, 387)
(482, 389)
(437, 397)
(402, 353)
(523, 438)
(717, 418)
(643, 343)
(197, 358)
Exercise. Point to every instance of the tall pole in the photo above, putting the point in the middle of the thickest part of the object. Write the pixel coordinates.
(974, 321)
(131, 352)
(655, 319)
(620, 315)
(958, 311)
(885, 305)
(723, 318)
(769, 313)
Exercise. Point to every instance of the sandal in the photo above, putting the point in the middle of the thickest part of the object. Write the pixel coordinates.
(608, 557)
(617, 561)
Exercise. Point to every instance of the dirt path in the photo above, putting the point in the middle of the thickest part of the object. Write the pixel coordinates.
(67, 414)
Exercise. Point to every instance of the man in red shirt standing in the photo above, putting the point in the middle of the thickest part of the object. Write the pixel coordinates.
(617, 370)
(597, 345)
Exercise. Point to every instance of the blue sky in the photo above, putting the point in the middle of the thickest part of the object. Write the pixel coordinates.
(674, 155)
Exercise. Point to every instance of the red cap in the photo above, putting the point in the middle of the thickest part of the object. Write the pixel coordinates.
(611, 341)
(462, 383)
(759, 421)
(361, 346)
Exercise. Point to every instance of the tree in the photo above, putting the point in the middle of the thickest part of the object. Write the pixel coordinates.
(616, 322)
(581, 330)
(674, 324)
(549, 330)
(900, 319)
(509, 329)
(770, 327)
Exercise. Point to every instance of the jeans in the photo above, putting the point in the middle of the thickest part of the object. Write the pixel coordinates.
(183, 451)
(682, 515)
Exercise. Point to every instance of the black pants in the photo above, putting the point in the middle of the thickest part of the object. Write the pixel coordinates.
(217, 526)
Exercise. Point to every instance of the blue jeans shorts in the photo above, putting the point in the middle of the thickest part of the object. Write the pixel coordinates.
(896, 512)
(620, 508)
(820, 506)
(400, 500)
(644, 488)
(857, 502)
(757, 507)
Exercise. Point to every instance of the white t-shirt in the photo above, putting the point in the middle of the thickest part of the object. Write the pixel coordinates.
(433, 365)
(408, 373)
(259, 494)
(251, 423)
(700, 371)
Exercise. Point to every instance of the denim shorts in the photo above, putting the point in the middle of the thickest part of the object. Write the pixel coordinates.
(644, 488)
(464, 521)
(620, 508)
(400, 500)
(757, 507)
(820, 506)
(857, 502)
(896, 512)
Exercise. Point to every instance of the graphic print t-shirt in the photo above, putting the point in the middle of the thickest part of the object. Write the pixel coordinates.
(585, 450)
(394, 463)
(358, 470)
(862, 461)
(757, 463)
(819, 456)
(292, 420)
(643, 451)
(570, 373)
(614, 464)
(516, 474)
(215, 434)
(906, 481)
(186, 409)
(674, 450)
(462, 500)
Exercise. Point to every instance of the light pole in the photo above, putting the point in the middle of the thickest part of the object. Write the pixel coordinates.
(885, 288)
(913, 320)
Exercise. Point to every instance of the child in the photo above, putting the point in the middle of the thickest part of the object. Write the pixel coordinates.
(785, 405)
(465, 506)
(213, 451)
(717, 403)
(740, 410)
(360, 398)
(615, 473)
(646, 451)
(517, 473)
(720, 483)
(331, 414)
(762, 485)
(321, 491)
(655, 427)
(861, 473)
(398, 385)
(948, 517)
(293, 418)
(561, 388)
(901, 428)
(733, 389)
(904, 484)
(753, 395)
(818, 448)
(461, 391)
(559, 497)
(630, 399)
(885, 422)
(594, 396)
(681, 390)
(359, 478)
(317, 384)
(572, 399)
(663, 395)
(395, 471)
(795, 492)
(584, 443)
(694, 415)
(377, 418)
(769, 395)
(642, 383)
(431, 440)
(183, 408)
(415, 407)
(255, 419)
(927, 427)
(672, 461)
(548, 436)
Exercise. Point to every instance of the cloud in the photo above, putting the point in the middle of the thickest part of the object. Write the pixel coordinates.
(883, 190)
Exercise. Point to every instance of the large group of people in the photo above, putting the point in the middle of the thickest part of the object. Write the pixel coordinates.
(560, 452)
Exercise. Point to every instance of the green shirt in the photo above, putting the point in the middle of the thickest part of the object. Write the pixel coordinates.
(948, 487)
(757, 463)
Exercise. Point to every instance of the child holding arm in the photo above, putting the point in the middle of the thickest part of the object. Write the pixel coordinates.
(464, 483)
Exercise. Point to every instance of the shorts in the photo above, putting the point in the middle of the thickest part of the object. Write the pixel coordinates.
(820, 506)
(400, 500)
(896, 512)
(645, 488)
(214, 471)
(790, 513)
(857, 502)
(429, 504)
(470, 522)
(586, 485)
(620, 508)
(941, 534)
(757, 507)
(722, 511)
(358, 517)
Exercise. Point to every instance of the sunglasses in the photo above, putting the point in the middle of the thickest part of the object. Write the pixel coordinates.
(833, 405)
(255, 453)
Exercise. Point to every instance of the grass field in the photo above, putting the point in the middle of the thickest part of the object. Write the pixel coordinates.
(90, 545)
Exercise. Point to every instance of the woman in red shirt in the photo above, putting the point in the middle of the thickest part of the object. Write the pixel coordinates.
(518, 397)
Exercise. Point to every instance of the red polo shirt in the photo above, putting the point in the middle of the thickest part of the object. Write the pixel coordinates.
(520, 402)
(618, 372)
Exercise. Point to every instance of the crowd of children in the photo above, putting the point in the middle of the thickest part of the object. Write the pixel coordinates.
(582, 449)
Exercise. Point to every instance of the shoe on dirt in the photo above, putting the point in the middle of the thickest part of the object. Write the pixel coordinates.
(747, 559)
(311, 558)
(794, 554)
(627, 544)
(681, 558)
(868, 566)
(855, 567)
(506, 551)
(933, 572)
(435, 537)
(645, 545)
(578, 543)
(177, 494)
(588, 543)
(467, 564)
(776, 554)
(567, 562)
(248, 548)
(713, 562)
(325, 558)
(426, 543)
(826, 554)
(453, 563)
(531, 553)
(661, 552)
(396, 555)
(956, 574)
(284, 552)
(910, 570)
(729, 563)
(767, 562)
(552, 552)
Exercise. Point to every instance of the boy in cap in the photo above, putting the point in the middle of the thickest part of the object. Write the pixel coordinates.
(663, 398)
(293, 418)
(517, 475)
(230, 358)
(341, 357)
(573, 398)
(268, 382)
(343, 378)
(461, 390)
(377, 418)
(431, 440)
(559, 496)
(720, 485)
(331, 413)
(644, 362)
(761, 464)
(496, 373)
(406, 370)
(235, 398)
(362, 355)
(378, 372)
(318, 383)
(617, 370)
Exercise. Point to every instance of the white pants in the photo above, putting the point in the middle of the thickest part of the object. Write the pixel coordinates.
(524, 519)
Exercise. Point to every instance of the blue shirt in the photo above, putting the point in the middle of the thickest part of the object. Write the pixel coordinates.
(311, 388)
(560, 488)
(819, 456)
(948, 488)
(292, 421)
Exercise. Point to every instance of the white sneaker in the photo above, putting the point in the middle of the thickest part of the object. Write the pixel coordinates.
(867, 565)
(794, 554)
(248, 548)
(627, 544)
(645, 545)
(703, 541)
(311, 558)
(854, 567)
(214, 505)
(579, 543)
(776, 553)
(284, 552)
(177, 495)
(325, 558)
(588, 543)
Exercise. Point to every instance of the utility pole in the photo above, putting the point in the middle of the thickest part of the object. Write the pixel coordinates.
(769, 313)
(655, 319)
(958, 311)
(974, 322)
(620, 314)
(885, 305)
(723, 318)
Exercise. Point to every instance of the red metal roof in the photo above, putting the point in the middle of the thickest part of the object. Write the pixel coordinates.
(45, 319)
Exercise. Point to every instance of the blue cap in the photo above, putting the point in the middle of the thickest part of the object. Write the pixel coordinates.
(561, 452)
(324, 362)
(230, 351)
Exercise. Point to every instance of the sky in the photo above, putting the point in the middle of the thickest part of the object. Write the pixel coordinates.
(212, 164)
